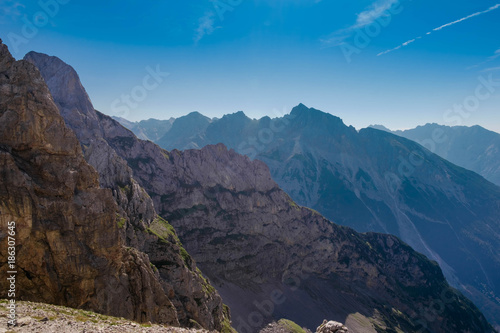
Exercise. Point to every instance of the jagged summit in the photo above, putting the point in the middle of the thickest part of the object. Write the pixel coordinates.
(380, 128)
(6, 58)
(68, 93)
(307, 116)
(239, 115)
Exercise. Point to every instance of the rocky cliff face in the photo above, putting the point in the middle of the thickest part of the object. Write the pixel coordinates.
(193, 297)
(69, 251)
(375, 181)
(271, 258)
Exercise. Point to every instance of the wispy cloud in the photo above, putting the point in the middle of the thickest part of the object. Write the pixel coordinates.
(375, 11)
(442, 27)
(489, 59)
(10, 9)
(492, 69)
(205, 26)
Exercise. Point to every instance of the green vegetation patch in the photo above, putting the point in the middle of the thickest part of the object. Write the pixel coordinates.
(207, 287)
(291, 326)
(226, 324)
(120, 221)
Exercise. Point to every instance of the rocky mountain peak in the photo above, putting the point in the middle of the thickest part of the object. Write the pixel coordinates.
(192, 298)
(6, 58)
(240, 115)
(319, 120)
(68, 93)
(380, 127)
(69, 250)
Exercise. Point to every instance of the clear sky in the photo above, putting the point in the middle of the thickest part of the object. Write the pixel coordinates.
(400, 64)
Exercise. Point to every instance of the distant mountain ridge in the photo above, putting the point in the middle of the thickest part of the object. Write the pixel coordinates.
(474, 148)
(375, 181)
(151, 129)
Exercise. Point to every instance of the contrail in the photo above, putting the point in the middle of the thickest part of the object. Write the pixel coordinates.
(442, 27)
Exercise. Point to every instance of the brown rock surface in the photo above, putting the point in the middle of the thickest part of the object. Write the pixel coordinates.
(193, 297)
(69, 251)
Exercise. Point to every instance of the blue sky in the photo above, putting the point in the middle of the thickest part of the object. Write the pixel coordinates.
(266, 56)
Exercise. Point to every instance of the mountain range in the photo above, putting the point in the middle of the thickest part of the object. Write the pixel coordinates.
(151, 129)
(92, 203)
(372, 180)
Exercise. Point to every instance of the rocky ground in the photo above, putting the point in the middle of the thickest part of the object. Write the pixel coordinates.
(45, 318)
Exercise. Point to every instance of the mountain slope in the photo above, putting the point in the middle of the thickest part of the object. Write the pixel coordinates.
(68, 248)
(474, 148)
(257, 246)
(194, 299)
(376, 181)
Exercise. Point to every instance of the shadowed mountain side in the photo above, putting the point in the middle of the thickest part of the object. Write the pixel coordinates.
(256, 244)
(474, 148)
(375, 181)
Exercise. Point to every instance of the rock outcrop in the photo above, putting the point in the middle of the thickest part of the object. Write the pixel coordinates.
(68, 248)
(195, 300)
(284, 326)
(331, 327)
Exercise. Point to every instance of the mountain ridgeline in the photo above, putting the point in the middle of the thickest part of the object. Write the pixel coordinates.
(151, 129)
(267, 256)
(474, 148)
(372, 181)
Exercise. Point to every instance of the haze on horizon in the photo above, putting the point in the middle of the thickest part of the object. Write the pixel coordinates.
(397, 63)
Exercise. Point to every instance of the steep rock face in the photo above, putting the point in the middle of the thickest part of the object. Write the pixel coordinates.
(79, 114)
(193, 297)
(270, 258)
(375, 181)
(69, 251)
